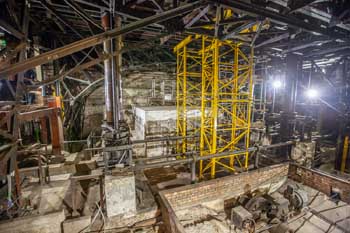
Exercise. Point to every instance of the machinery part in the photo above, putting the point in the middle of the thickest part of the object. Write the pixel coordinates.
(279, 207)
(257, 206)
(242, 219)
(335, 195)
(121, 137)
(297, 197)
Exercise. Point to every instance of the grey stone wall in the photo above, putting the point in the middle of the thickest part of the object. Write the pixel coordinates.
(146, 88)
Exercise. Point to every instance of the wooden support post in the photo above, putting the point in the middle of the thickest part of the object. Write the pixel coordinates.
(101, 192)
(43, 132)
(55, 133)
(345, 154)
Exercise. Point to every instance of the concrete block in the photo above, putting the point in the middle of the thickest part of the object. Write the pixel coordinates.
(71, 159)
(77, 225)
(120, 195)
(51, 198)
(49, 223)
(47, 198)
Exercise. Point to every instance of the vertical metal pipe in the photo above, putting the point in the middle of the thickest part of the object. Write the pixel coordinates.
(214, 104)
(184, 101)
(291, 83)
(287, 127)
(273, 100)
(117, 72)
(343, 122)
(108, 74)
(193, 171)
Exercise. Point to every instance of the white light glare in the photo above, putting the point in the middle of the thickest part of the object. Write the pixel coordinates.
(312, 93)
(276, 84)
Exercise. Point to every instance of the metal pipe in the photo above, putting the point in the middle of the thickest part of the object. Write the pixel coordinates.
(159, 139)
(196, 158)
(108, 84)
(193, 172)
(117, 71)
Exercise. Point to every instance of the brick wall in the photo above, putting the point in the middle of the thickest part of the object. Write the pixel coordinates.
(171, 222)
(320, 181)
(224, 188)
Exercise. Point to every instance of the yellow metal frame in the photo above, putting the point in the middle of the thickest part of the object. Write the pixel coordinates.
(226, 74)
(345, 154)
(188, 84)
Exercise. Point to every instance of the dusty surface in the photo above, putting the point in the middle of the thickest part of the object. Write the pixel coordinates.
(203, 219)
(321, 215)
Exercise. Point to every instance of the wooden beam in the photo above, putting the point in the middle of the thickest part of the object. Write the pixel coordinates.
(273, 39)
(11, 30)
(295, 5)
(94, 40)
(57, 15)
(238, 29)
(71, 71)
(36, 114)
(198, 16)
(83, 14)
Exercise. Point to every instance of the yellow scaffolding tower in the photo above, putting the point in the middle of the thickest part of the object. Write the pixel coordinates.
(226, 104)
(226, 99)
(188, 86)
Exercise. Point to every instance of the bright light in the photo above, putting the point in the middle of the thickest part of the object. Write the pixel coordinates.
(277, 84)
(312, 93)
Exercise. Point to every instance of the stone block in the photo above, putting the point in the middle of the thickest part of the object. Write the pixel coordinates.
(120, 195)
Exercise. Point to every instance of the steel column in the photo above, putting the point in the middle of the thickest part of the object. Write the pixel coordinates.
(108, 84)
(187, 93)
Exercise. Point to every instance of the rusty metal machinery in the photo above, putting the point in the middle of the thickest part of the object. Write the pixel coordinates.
(242, 219)
(271, 210)
(297, 197)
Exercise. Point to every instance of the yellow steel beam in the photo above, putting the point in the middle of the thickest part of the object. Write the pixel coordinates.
(345, 154)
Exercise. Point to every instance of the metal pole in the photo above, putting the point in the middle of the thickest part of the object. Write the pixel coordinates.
(273, 100)
(118, 66)
(108, 74)
(287, 116)
(193, 171)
